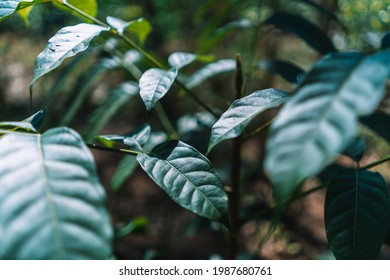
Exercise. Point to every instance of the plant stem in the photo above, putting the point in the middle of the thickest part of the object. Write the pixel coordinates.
(82, 13)
(234, 195)
(373, 164)
(165, 122)
(258, 130)
(113, 150)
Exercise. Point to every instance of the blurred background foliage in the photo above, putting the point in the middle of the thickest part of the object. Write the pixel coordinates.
(152, 225)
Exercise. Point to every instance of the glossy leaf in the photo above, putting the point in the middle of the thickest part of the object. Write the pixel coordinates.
(304, 29)
(141, 27)
(16, 126)
(116, 99)
(154, 84)
(50, 195)
(9, 7)
(357, 214)
(89, 7)
(66, 43)
(37, 119)
(234, 121)
(187, 177)
(181, 59)
(320, 120)
(289, 71)
(210, 70)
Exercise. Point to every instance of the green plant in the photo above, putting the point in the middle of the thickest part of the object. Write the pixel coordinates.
(318, 122)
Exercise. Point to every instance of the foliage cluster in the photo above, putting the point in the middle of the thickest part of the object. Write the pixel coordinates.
(59, 197)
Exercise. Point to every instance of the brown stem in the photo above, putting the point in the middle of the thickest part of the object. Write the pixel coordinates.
(234, 194)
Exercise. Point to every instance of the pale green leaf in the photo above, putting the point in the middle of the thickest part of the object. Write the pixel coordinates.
(187, 177)
(210, 70)
(154, 84)
(320, 120)
(51, 201)
(66, 43)
(181, 59)
(234, 121)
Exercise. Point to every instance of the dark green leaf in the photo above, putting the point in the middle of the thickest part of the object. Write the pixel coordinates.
(233, 122)
(66, 43)
(304, 29)
(154, 84)
(356, 149)
(50, 195)
(320, 120)
(357, 214)
(188, 178)
(385, 42)
(210, 70)
(378, 122)
(290, 72)
(9, 7)
(37, 119)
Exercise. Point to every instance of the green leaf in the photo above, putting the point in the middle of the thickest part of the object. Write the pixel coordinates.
(116, 99)
(378, 122)
(124, 170)
(220, 33)
(90, 7)
(290, 72)
(320, 120)
(154, 84)
(16, 126)
(50, 194)
(356, 149)
(187, 177)
(85, 85)
(181, 59)
(385, 42)
(357, 214)
(141, 27)
(24, 14)
(9, 7)
(320, 8)
(304, 29)
(37, 119)
(234, 121)
(66, 43)
(135, 139)
(210, 70)
(137, 224)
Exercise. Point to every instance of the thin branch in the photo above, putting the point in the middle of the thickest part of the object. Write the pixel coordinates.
(113, 150)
